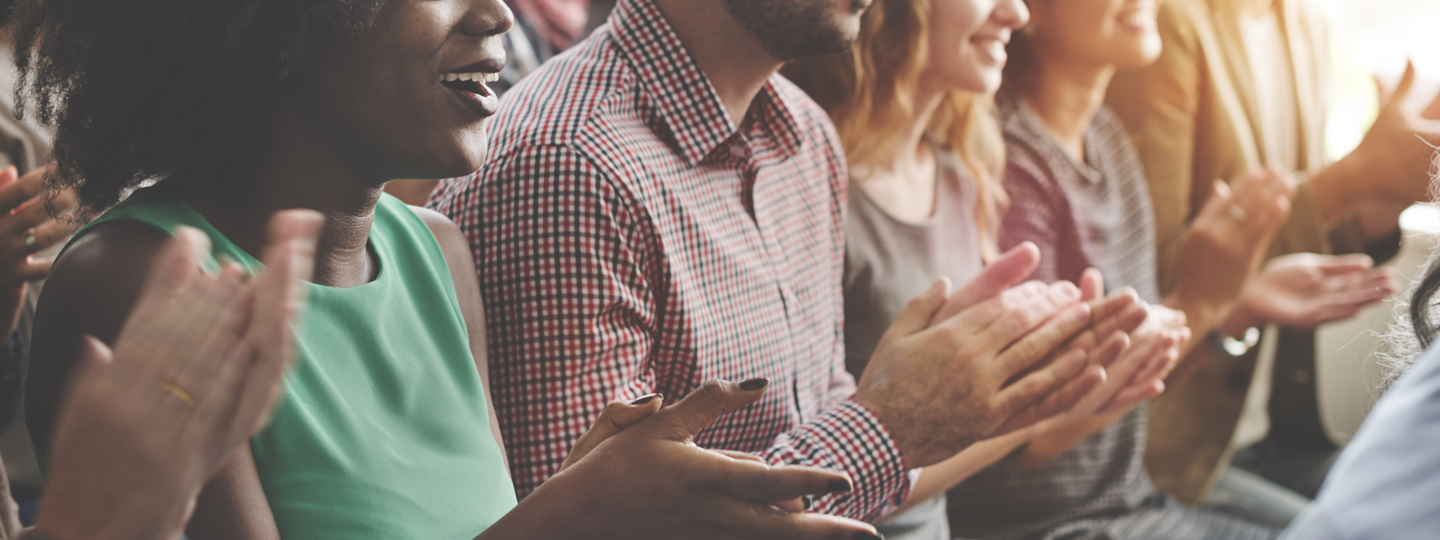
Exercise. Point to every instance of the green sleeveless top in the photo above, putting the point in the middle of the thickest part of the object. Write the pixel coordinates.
(383, 432)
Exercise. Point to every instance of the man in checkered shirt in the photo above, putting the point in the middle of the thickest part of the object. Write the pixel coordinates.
(631, 238)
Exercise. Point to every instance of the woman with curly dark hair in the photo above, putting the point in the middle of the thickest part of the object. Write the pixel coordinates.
(237, 109)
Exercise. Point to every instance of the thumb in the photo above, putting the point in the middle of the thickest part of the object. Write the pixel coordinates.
(1345, 264)
(1010, 269)
(703, 406)
(1092, 284)
(1220, 195)
(617, 417)
(1432, 111)
(1402, 91)
(920, 310)
(91, 361)
(177, 264)
(8, 176)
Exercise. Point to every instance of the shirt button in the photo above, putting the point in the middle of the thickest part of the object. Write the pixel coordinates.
(739, 151)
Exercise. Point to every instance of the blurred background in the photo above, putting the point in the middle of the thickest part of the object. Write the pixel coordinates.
(1373, 39)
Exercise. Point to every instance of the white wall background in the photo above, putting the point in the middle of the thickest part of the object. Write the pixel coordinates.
(1373, 37)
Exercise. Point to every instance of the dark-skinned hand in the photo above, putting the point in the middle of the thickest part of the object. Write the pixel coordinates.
(23, 212)
(637, 474)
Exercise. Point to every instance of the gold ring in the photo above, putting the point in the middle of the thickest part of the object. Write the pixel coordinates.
(179, 394)
(30, 244)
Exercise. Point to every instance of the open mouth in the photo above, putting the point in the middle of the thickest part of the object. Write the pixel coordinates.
(473, 82)
(469, 87)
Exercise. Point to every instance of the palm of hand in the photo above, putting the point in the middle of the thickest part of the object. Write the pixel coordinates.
(659, 484)
(1228, 239)
(1304, 290)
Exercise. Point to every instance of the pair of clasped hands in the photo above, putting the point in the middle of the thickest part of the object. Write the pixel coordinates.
(131, 452)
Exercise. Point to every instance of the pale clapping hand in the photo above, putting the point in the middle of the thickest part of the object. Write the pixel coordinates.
(193, 374)
(1304, 290)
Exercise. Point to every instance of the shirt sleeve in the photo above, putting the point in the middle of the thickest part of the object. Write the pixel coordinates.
(573, 274)
(851, 439)
(563, 270)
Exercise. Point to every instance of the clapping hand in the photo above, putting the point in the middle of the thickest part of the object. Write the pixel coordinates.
(1394, 157)
(1227, 242)
(637, 474)
(26, 228)
(956, 369)
(1155, 336)
(1304, 290)
(192, 375)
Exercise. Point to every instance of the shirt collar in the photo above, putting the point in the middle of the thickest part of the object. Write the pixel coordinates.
(686, 101)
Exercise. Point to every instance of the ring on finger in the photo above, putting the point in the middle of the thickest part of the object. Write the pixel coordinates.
(179, 393)
(31, 246)
(1237, 212)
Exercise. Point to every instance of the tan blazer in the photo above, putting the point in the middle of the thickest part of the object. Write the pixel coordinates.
(1190, 115)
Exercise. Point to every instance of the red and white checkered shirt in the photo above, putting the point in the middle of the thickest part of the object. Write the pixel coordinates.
(630, 238)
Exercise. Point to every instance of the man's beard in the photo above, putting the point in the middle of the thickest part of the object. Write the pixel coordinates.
(790, 29)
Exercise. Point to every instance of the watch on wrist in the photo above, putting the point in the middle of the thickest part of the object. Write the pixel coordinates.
(1235, 348)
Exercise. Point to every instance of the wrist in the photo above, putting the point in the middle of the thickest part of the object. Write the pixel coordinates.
(1201, 315)
(1334, 188)
(1238, 321)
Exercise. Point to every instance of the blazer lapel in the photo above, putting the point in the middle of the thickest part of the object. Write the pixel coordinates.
(1307, 64)
(1232, 43)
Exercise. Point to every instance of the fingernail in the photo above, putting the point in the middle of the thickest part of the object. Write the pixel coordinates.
(809, 501)
(644, 399)
(1067, 290)
(839, 485)
(754, 384)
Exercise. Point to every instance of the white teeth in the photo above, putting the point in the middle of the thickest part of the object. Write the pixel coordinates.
(1139, 18)
(994, 47)
(478, 76)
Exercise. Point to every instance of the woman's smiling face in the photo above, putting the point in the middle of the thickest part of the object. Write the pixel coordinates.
(1106, 33)
(967, 42)
(406, 98)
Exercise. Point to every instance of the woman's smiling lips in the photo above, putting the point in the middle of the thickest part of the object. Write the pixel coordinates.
(991, 47)
(468, 85)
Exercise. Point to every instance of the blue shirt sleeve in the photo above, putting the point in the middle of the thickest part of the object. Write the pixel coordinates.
(1387, 482)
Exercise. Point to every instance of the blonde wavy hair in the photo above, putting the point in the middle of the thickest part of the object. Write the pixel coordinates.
(869, 92)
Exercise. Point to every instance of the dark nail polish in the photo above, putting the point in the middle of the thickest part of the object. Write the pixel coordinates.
(839, 485)
(809, 501)
(754, 384)
(645, 399)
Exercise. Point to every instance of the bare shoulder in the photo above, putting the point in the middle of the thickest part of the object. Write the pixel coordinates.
(452, 242)
(90, 291)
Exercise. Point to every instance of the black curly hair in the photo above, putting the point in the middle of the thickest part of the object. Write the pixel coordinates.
(153, 89)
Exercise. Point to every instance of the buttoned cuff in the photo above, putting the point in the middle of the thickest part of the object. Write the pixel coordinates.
(850, 438)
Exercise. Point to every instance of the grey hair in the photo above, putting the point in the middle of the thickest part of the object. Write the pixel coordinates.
(1400, 344)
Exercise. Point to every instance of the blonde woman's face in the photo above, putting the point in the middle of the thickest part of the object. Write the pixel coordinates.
(1116, 33)
(967, 42)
